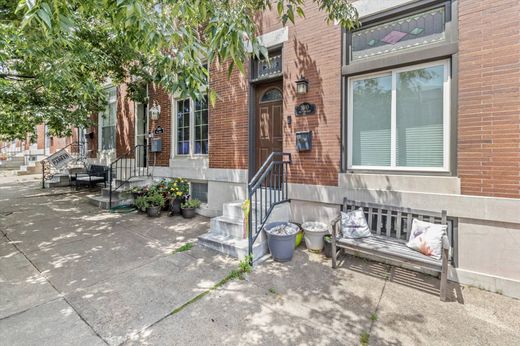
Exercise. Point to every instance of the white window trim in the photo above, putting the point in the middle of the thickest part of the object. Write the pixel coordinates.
(192, 130)
(446, 119)
(100, 125)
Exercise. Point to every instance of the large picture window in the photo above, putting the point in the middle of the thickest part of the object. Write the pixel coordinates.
(399, 119)
(192, 127)
(108, 121)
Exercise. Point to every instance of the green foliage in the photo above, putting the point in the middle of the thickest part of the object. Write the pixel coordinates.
(150, 199)
(191, 203)
(243, 268)
(57, 56)
(272, 290)
(183, 248)
(178, 188)
(373, 317)
(364, 338)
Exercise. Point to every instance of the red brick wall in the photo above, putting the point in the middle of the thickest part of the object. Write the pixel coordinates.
(163, 99)
(228, 119)
(314, 51)
(92, 141)
(489, 98)
(125, 122)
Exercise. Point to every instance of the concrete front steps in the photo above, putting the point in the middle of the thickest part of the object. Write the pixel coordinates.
(226, 233)
(121, 196)
(12, 163)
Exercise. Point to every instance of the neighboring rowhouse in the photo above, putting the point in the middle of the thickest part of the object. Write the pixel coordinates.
(420, 108)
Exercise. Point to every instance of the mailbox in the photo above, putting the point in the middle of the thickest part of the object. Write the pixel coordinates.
(304, 140)
(156, 145)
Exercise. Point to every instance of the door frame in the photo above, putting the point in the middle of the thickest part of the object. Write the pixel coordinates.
(253, 93)
(147, 121)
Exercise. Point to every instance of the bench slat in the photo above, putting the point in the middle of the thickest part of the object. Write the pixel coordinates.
(388, 222)
(379, 221)
(398, 225)
(370, 218)
(389, 246)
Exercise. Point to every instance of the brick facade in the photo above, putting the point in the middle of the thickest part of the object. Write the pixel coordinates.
(489, 98)
(158, 95)
(317, 57)
(228, 119)
(125, 121)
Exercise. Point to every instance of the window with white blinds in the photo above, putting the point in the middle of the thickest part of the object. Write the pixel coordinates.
(399, 119)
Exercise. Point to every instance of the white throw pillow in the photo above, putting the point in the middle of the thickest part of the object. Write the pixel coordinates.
(354, 224)
(426, 238)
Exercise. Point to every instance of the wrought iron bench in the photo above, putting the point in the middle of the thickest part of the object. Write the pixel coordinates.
(94, 175)
(390, 227)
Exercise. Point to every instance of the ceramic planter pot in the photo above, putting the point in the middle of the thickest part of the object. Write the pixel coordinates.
(188, 213)
(175, 207)
(281, 246)
(327, 249)
(154, 211)
(313, 235)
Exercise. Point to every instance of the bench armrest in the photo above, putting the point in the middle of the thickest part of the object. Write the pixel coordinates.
(333, 225)
(445, 242)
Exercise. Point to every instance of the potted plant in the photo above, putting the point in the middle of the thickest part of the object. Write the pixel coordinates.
(138, 191)
(177, 189)
(313, 233)
(327, 249)
(140, 203)
(153, 202)
(281, 237)
(188, 208)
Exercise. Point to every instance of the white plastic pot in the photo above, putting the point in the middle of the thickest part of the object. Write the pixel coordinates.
(313, 234)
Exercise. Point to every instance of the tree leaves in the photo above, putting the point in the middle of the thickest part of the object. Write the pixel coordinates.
(72, 48)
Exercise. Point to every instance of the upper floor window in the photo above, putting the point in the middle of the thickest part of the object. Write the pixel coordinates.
(411, 31)
(399, 119)
(108, 121)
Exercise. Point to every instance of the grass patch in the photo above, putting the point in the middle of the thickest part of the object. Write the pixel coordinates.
(373, 317)
(183, 248)
(243, 268)
(363, 338)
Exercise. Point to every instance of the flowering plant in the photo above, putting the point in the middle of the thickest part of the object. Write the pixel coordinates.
(178, 188)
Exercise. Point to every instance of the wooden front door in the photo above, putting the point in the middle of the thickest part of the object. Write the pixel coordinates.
(269, 121)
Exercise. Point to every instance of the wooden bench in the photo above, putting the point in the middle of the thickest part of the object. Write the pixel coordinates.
(94, 175)
(390, 227)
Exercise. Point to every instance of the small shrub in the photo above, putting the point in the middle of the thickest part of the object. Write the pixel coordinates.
(373, 317)
(150, 199)
(363, 338)
(272, 290)
(191, 203)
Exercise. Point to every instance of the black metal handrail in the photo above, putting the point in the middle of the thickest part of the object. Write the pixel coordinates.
(76, 149)
(267, 189)
(131, 164)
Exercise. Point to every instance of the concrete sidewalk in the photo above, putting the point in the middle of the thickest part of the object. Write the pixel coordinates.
(71, 274)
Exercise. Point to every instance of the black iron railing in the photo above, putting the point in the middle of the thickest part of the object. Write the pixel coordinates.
(267, 189)
(129, 165)
(77, 150)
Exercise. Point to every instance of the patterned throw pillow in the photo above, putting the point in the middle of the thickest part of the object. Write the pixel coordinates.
(426, 238)
(354, 224)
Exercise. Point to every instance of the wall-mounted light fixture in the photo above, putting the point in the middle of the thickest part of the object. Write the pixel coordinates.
(155, 111)
(302, 86)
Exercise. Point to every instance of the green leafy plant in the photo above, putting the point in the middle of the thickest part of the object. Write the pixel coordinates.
(373, 317)
(363, 338)
(183, 248)
(191, 203)
(150, 199)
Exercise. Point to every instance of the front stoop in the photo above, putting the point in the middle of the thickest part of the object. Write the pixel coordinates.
(226, 233)
(119, 196)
